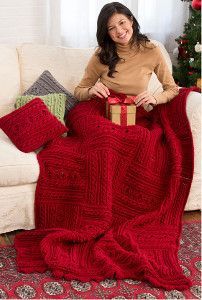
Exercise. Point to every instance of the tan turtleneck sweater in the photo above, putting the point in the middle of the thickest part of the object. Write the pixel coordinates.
(133, 73)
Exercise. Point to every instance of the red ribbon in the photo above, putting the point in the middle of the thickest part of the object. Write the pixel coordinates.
(123, 101)
(119, 98)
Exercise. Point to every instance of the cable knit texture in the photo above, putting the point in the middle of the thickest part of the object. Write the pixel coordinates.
(54, 102)
(110, 198)
(47, 84)
(31, 126)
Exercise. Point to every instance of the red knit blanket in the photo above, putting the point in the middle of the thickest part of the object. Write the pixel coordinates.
(110, 198)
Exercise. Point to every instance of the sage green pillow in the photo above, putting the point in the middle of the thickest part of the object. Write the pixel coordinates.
(54, 102)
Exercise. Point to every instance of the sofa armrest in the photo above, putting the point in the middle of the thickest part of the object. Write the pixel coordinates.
(194, 108)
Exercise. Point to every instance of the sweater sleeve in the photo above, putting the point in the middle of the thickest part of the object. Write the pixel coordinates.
(170, 89)
(91, 75)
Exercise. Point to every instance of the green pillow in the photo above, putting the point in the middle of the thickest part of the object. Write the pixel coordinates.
(54, 102)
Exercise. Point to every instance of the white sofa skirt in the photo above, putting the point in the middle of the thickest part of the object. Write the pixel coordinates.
(17, 207)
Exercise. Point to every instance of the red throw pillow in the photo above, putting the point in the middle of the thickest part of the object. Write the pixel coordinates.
(31, 126)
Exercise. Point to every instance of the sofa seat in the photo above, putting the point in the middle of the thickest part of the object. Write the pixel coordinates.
(16, 167)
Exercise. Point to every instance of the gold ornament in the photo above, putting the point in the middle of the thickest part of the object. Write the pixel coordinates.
(198, 83)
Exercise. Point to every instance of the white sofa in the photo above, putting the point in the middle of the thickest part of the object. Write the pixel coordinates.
(19, 68)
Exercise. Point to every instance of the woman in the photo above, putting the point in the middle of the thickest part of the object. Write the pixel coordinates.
(124, 61)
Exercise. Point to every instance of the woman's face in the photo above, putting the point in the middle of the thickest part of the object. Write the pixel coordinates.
(120, 29)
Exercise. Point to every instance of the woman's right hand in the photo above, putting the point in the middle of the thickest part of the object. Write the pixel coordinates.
(99, 89)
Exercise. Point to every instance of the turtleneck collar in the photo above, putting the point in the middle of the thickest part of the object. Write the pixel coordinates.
(125, 50)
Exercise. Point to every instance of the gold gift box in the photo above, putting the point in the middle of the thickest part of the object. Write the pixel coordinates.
(121, 114)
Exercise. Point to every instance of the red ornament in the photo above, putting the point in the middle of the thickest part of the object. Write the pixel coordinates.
(196, 4)
(183, 39)
(182, 52)
(183, 42)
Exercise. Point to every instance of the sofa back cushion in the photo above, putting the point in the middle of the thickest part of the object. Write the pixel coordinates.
(9, 78)
(67, 65)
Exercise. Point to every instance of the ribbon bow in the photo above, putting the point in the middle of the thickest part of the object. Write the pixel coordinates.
(119, 98)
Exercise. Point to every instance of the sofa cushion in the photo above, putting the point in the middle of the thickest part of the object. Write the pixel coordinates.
(46, 84)
(16, 167)
(31, 126)
(9, 75)
(6, 109)
(54, 102)
(67, 65)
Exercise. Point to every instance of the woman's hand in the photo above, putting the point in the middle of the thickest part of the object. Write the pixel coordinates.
(145, 98)
(99, 89)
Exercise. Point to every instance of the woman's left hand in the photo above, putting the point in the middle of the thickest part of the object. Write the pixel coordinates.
(145, 98)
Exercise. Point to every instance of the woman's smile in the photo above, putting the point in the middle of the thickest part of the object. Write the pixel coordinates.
(120, 29)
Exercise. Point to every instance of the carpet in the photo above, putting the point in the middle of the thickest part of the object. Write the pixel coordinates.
(42, 286)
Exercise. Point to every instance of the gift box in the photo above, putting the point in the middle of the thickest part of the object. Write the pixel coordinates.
(121, 109)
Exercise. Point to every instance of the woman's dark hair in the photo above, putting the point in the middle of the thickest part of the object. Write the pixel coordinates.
(107, 49)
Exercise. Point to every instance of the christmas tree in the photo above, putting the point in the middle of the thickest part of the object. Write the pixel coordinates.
(188, 70)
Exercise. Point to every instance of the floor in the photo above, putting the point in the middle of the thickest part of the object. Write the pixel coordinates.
(8, 238)
(192, 216)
